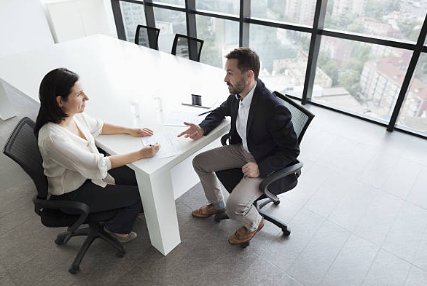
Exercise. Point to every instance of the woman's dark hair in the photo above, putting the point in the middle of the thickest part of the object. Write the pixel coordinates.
(57, 82)
(247, 59)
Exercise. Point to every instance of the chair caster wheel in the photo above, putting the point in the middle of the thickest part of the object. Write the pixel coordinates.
(73, 270)
(244, 244)
(59, 241)
(120, 254)
(286, 232)
(276, 203)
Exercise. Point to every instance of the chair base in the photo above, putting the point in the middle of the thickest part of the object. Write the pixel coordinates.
(94, 231)
(268, 217)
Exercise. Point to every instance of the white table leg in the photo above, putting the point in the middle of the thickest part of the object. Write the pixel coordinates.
(160, 211)
(6, 109)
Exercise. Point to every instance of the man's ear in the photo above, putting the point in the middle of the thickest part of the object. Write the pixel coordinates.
(59, 100)
(250, 74)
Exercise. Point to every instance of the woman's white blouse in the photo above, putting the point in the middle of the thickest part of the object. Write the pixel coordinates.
(69, 160)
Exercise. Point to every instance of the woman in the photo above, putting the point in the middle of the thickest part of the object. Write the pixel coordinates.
(74, 167)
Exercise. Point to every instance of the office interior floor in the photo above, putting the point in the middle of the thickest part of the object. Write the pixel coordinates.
(358, 217)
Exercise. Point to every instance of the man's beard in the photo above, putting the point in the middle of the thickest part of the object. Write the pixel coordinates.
(237, 88)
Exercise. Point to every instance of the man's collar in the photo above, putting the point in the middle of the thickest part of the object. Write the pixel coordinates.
(249, 95)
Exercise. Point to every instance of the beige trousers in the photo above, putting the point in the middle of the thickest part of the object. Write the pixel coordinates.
(239, 205)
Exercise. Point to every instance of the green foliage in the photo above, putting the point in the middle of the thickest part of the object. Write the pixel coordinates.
(350, 81)
(331, 69)
(410, 30)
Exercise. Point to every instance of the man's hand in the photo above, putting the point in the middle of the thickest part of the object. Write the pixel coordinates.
(251, 170)
(195, 132)
(140, 132)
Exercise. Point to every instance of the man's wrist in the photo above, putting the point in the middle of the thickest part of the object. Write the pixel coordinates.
(203, 130)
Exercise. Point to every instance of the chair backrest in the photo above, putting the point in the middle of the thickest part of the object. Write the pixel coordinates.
(147, 36)
(187, 47)
(301, 117)
(22, 147)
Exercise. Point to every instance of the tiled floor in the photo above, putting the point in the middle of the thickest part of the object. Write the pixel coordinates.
(358, 217)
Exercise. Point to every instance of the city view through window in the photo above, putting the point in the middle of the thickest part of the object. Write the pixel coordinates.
(352, 76)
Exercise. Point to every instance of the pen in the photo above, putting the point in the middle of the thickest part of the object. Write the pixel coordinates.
(203, 113)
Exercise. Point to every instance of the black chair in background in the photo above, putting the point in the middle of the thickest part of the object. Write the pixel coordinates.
(187, 47)
(22, 147)
(301, 118)
(147, 37)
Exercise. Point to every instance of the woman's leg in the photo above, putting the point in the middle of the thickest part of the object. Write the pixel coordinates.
(124, 198)
(124, 176)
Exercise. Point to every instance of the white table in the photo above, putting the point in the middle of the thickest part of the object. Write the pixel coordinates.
(117, 76)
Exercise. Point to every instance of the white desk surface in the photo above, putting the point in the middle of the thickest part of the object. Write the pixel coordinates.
(116, 74)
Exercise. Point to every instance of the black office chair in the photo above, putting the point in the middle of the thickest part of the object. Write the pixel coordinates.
(301, 118)
(147, 37)
(187, 47)
(22, 147)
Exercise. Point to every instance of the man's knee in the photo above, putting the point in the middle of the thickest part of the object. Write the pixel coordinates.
(197, 161)
(200, 162)
(236, 208)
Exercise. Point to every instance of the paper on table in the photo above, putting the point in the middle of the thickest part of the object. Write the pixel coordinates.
(168, 144)
(177, 118)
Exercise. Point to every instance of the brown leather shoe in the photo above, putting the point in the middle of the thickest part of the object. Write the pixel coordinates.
(206, 211)
(242, 235)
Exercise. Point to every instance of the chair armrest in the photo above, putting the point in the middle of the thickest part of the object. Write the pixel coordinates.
(81, 208)
(224, 139)
(279, 174)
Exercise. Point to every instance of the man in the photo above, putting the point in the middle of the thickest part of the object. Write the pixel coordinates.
(262, 141)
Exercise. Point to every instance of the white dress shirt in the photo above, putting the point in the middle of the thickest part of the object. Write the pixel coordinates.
(242, 117)
(69, 160)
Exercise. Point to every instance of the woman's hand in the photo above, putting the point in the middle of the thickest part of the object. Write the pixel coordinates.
(140, 132)
(149, 151)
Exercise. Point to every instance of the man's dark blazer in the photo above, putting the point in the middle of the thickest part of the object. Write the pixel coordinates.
(270, 134)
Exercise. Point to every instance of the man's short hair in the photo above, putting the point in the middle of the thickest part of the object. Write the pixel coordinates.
(247, 59)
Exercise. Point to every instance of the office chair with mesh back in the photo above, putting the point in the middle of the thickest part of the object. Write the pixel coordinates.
(187, 47)
(147, 37)
(22, 147)
(301, 118)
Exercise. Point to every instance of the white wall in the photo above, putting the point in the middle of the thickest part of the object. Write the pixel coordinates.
(23, 26)
(73, 19)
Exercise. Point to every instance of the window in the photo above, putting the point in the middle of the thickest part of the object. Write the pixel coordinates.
(174, 2)
(219, 36)
(294, 11)
(222, 6)
(133, 15)
(169, 22)
(359, 78)
(377, 18)
(283, 56)
(413, 115)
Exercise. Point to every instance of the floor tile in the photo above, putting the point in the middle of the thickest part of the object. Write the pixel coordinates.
(352, 263)
(401, 179)
(314, 261)
(379, 169)
(353, 206)
(416, 277)
(7, 281)
(354, 161)
(387, 270)
(407, 232)
(283, 251)
(260, 272)
(418, 195)
(329, 195)
(379, 217)
(308, 183)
